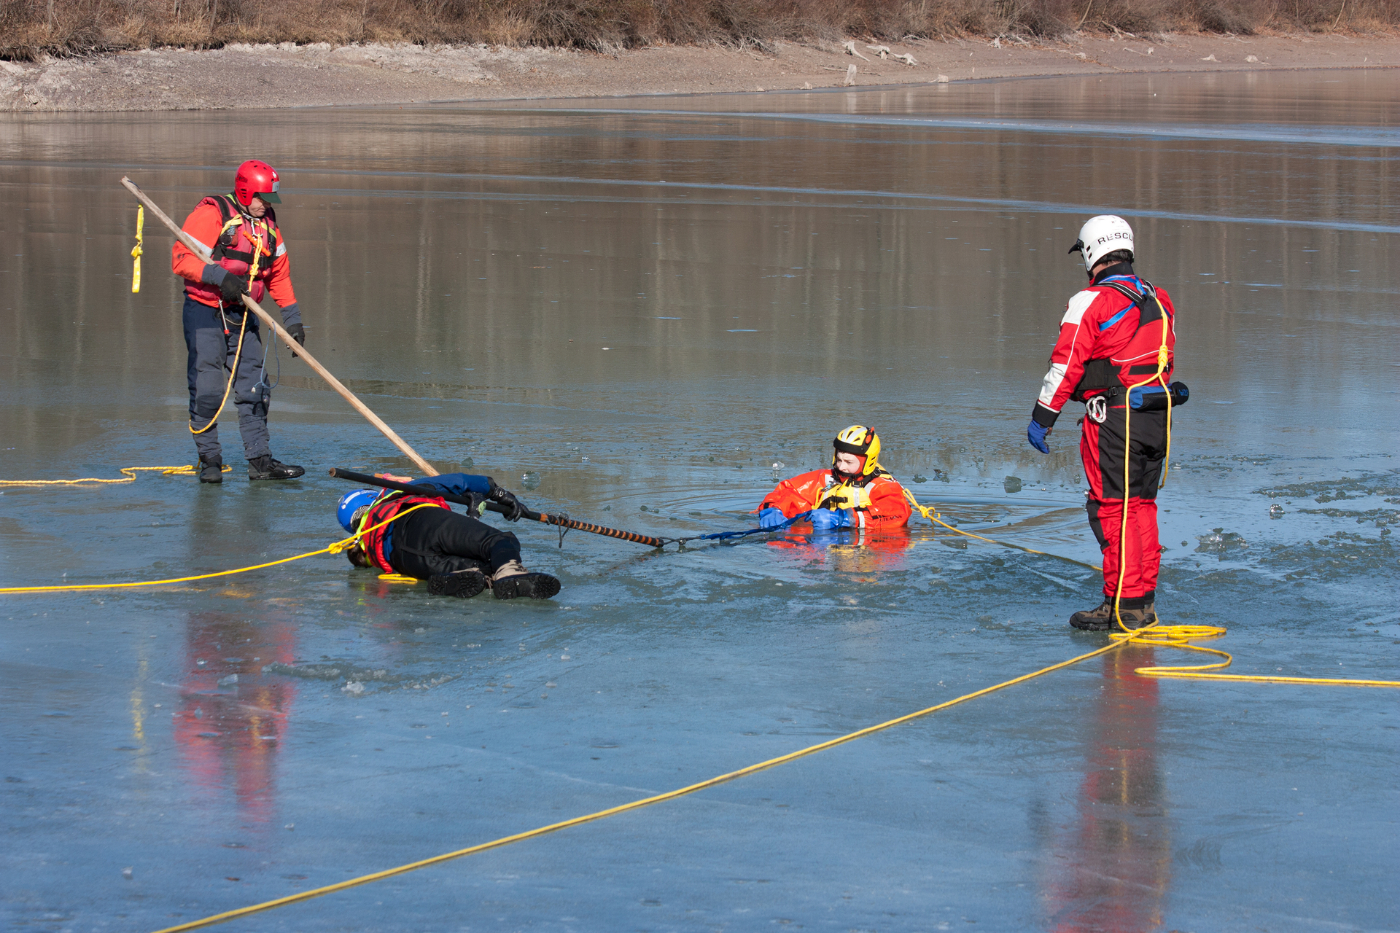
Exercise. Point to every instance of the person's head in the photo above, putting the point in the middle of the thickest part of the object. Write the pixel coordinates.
(352, 506)
(856, 453)
(1103, 241)
(255, 187)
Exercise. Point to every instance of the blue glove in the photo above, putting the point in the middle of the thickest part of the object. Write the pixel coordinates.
(828, 520)
(1036, 433)
(771, 518)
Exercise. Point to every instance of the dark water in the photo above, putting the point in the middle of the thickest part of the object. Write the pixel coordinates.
(645, 305)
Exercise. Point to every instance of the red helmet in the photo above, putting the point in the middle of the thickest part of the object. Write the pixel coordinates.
(255, 177)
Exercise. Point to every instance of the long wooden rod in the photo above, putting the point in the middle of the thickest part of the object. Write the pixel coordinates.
(202, 251)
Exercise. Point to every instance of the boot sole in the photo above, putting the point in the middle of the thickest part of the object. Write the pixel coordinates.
(460, 585)
(261, 476)
(529, 585)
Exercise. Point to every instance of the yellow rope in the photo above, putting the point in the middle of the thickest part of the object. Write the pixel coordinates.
(933, 516)
(335, 548)
(1179, 636)
(1167, 636)
(623, 808)
(129, 476)
(1163, 359)
(232, 374)
(257, 242)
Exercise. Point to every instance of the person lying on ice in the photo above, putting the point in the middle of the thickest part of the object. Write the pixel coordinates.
(855, 493)
(458, 555)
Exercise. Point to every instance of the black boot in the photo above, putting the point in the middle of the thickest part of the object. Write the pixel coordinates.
(265, 467)
(513, 580)
(464, 584)
(211, 471)
(1101, 618)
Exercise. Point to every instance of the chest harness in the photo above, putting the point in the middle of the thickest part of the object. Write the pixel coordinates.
(381, 514)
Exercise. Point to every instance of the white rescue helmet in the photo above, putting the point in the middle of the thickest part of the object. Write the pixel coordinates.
(1100, 236)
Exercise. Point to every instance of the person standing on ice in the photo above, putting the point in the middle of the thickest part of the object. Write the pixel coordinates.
(223, 339)
(855, 493)
(420, 536)
(1116, 347)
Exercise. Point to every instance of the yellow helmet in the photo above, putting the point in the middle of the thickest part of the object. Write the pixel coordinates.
(861, 441)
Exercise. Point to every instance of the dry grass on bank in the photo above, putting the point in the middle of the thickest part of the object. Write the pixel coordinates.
(29, 28)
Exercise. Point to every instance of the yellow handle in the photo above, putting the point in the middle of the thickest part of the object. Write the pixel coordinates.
(136, 250)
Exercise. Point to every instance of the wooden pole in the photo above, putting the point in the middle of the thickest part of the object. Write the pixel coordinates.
(202, 251)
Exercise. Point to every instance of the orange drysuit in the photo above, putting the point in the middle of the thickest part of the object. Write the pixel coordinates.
(877, 500)
(241, 236)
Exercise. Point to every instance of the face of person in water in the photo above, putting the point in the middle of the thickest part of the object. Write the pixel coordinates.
(848, 463)
(257, 207)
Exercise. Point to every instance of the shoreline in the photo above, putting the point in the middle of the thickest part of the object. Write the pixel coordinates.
(244, 77)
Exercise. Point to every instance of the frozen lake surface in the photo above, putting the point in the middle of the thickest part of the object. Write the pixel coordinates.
(656, 308)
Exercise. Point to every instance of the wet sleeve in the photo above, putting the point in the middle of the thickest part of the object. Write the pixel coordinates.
(888, 505)
(459, 484)
(1067, 359)
(279, 281)
(203, 226)
(790, 496)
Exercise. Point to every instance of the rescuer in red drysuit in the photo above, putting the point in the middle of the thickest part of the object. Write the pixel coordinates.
(855, 493)
(249, 258)
(1109, 340)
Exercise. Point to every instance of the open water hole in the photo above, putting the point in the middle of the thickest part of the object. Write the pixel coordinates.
(646, 304)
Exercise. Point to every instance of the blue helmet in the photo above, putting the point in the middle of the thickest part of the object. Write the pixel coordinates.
(352, 502)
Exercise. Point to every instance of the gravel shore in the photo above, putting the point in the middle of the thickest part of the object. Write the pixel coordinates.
(277, 76)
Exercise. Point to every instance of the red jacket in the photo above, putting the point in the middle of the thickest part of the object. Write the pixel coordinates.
(1102, 328)
(206, 225)
(879, 499)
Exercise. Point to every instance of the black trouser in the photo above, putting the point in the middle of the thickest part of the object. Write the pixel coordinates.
(211, 353)
(433, 541)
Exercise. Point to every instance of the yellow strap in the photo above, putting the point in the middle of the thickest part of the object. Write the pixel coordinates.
(136, 250)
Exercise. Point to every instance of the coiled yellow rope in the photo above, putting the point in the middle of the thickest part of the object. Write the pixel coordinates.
(128, 476)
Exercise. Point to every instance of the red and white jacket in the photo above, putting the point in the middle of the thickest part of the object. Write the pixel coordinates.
(1110, 336)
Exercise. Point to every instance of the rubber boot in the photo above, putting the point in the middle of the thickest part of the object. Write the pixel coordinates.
(1100, 619)
(464, 584)
(265, 467)
(211, 471)
(513, 580)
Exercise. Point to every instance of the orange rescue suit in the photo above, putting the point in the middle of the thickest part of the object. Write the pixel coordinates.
(206, 225)
(880, 499)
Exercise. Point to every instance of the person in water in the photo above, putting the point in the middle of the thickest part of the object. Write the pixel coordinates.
(855, 493)
(420, 536)
(1116, 347)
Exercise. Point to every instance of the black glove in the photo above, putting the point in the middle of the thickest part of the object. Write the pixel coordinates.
(298, 333)
(231, 288)
(515, 509)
